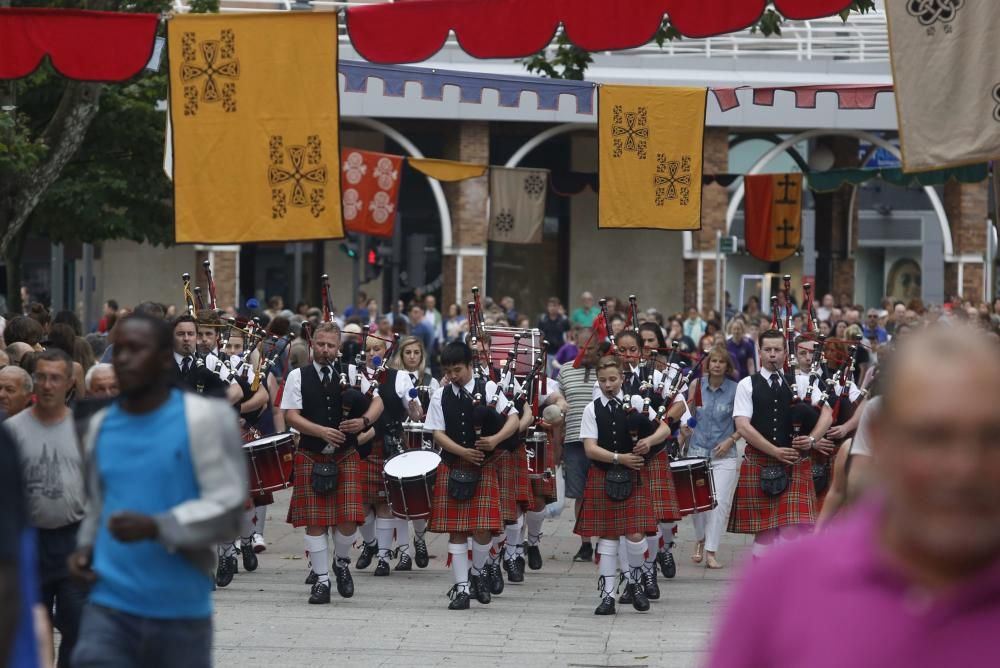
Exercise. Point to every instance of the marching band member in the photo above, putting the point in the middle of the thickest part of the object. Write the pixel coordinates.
(714, 437)
(618, 507)
(468, 420)
(395, 393)
(330, 497)
(774, 496)
(410, 358)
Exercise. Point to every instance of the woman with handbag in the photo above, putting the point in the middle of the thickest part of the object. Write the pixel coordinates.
(714, 438)
(616, 501)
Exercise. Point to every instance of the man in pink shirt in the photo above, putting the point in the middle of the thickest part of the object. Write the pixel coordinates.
(912, 576)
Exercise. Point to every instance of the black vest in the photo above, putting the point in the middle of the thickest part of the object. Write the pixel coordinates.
(319, 405)
(612, 430)
(772, 415)
(457, 410)
(394, 411)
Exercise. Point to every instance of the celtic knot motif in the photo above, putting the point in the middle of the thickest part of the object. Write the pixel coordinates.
(218, 62)
(505, 222)
(996, 98)
(306, 176)
(534, 185)
(929, 12)
(672, 180)
(629, 131)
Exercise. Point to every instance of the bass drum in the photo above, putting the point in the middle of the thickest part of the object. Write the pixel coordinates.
(409, 483)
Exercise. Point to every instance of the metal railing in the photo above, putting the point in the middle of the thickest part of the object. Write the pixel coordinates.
(863, 38)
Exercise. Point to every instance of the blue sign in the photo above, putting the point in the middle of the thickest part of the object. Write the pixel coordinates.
(880, 159)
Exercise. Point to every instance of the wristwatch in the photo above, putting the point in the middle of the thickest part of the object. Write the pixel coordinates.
(614, 459)
(812, 442)
(368, 422)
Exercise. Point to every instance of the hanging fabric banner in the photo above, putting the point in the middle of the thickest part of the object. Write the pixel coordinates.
(254, 121)
(370, 183)
(650, 156)
(944, 56)
(447, 170)
(517, 204)
(835, 178)
(773, 210)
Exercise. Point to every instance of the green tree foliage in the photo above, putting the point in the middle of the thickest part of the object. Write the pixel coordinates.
(564, 60)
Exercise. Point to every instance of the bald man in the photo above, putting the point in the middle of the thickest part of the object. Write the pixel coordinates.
(912, 576)
(15, 390)
(17, 350)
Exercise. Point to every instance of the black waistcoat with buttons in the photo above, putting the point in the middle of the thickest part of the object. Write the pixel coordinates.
(457, 411)
(319, 405)
(772, 415)
(612, 430)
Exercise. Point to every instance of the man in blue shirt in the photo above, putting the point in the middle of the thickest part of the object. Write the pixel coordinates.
(166, 482)
(872, 330)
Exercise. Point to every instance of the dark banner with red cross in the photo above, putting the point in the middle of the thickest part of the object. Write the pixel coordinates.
(370, 185)
(773, 212)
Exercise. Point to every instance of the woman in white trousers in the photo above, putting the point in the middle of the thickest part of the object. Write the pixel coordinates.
(714, 437)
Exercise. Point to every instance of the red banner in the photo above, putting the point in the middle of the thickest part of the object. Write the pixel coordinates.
(82, 45)
(370, 183)
(409, 32)
(773, 211)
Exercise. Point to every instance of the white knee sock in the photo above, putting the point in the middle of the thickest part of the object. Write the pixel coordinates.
(534, 522)
(402, 535)
(316, 547)
(513, 532)
(459, 565)
(260, 516)
(667, 529)
(342, 547)
(622, 556)
(636, 553)
(383, 529)
(480, 553)
(497, 547)
(607, 565)
(419, 529)
(248, 526)
(652, 547)
(368, 528)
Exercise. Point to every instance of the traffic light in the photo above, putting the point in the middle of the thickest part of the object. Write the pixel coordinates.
(372, 257)
(350, 249)
(375, 261)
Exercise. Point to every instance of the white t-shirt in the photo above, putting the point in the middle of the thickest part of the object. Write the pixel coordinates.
(861, 444)
(291, 397)
(435, 413)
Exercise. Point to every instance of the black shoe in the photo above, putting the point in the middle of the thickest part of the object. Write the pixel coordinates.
(345, 583)
(405, 563)
(667, 565)
(534, 557)
(320, 592)
(480, 588)
(639, 600)
(249, 557)
(225, 572)
(312, 578)
(496, 578)
(235, 565)
(420, 549)
(607, 606)
(368, 552)
(515, 569)
(626, 598)
(649, 583)
(459, 599)
(382, 568)
(585, 553)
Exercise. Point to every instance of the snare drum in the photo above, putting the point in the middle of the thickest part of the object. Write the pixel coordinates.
(694, 484)
(409, 483)
(534, 446)
(413, 436)
(270, 463)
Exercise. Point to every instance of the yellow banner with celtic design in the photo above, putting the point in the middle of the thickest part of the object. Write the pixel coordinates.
(650, 154)
(254, 113)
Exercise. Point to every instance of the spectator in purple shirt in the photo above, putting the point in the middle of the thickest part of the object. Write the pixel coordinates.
(568, 351)
(912, 577)
(742, 349)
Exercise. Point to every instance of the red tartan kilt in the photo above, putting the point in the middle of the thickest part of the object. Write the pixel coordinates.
(510, 504)
(343, 506)
(662, 492)
(480, 513)
(543, 491)
(753, 511)
(600, 516)
(520, 458)
(372, 477)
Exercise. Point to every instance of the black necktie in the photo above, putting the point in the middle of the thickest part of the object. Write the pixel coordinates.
(185, 366)
(326, 377)
(413, 377)
(775, 383)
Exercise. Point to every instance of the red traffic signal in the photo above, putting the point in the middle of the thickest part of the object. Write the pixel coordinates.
(372, 256)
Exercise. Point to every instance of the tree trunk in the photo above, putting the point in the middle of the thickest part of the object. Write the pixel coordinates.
(63, 136)
(12, 265)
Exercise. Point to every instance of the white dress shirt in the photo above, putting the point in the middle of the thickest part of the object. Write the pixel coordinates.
(435, 413)
(291, 396)
(743, 405)
(588, 423)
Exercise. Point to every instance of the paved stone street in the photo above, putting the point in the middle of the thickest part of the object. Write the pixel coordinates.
(262, 618)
